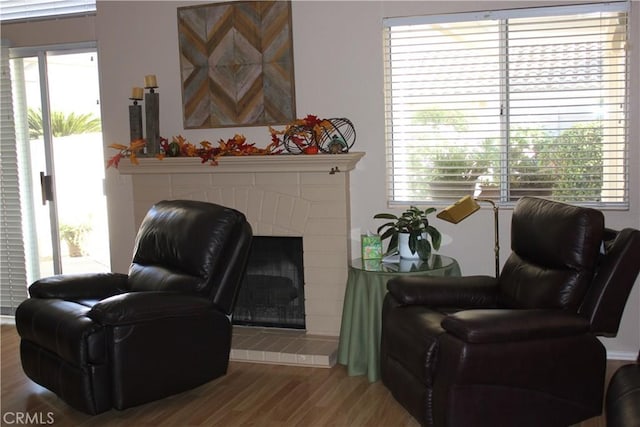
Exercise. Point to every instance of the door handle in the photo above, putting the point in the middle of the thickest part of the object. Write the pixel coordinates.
(46, 186)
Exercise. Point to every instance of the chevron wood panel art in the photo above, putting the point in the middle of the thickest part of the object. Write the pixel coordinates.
(236, 63)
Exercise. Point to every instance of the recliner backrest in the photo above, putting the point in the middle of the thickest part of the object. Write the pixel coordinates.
(554, 255)
(616, 273)
(192, 247)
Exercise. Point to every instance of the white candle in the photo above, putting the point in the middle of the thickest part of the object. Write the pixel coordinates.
(136, 93)
(150, 81)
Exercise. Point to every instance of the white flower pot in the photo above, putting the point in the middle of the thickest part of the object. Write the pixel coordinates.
(403, 246)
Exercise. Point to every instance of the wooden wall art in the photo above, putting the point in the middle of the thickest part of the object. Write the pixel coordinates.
(236, 63)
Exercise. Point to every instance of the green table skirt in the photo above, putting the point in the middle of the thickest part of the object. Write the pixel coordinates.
(360, 331)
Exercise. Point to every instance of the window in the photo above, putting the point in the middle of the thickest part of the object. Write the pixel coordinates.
(508, 103)
(16, 10)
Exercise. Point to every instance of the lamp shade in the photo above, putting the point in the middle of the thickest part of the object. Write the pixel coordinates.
(459, 210)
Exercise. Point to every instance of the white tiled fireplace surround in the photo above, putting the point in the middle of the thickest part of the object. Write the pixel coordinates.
(285, 195)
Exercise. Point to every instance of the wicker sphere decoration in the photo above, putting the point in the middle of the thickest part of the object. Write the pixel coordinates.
(297, 138)
(337, 136)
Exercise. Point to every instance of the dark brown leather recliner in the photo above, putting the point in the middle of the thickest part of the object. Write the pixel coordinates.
(623, 397)
(522, 349)
(110, 340)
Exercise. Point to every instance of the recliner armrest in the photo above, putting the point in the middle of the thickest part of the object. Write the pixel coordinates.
(468, 291)
(137, 307)
(80, 286)
(502, 325)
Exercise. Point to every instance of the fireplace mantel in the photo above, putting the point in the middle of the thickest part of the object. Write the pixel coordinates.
(329, 163)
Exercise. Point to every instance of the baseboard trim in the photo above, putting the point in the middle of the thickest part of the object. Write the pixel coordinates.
(7, 320)
(621, 355)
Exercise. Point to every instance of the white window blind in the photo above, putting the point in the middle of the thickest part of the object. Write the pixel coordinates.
(13, 277)
(508, 103)
(15, 10)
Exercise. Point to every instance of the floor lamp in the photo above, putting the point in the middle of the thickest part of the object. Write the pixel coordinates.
(466, 207)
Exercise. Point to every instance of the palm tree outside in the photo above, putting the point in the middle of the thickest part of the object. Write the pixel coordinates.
(63, 124)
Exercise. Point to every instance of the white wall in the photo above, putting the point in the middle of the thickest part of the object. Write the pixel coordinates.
(338, 73)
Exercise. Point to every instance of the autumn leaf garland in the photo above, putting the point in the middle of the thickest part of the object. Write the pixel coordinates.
(180, 147)
(130, 151)
(301, 132)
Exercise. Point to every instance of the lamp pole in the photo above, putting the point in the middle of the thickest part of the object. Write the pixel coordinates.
(496, 247)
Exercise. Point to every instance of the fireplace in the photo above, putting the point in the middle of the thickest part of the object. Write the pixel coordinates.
(272, 293)
(303, 196)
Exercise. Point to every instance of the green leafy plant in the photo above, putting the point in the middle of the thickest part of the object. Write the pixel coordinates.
(445, 165)
(74, 235)
(578, 160)
(457, 163)
(414, 222)
(447, 161)
(61, 124)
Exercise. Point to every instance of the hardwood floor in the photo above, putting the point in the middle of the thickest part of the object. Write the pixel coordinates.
(250, 394)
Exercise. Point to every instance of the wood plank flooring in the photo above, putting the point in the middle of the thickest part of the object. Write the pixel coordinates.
(250, 394)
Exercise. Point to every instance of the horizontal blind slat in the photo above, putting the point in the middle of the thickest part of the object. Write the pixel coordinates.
(13, 277)
(15, 10)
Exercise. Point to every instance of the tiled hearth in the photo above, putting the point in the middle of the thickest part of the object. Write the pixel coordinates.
(282, 195)
(283, 346)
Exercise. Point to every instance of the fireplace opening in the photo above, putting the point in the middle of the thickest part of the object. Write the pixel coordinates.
(272, 294)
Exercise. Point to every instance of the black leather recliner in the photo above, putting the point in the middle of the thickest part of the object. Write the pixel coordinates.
(110, 340)
(522, 349)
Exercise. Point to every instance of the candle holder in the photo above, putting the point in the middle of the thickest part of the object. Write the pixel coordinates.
(135, 120)
(152, 115)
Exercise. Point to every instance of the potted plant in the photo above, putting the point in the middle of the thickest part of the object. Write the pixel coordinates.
(454, 171)
(74, 235)
(451, 162)
(410, 233)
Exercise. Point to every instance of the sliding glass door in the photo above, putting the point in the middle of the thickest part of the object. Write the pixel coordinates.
(59, 139)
